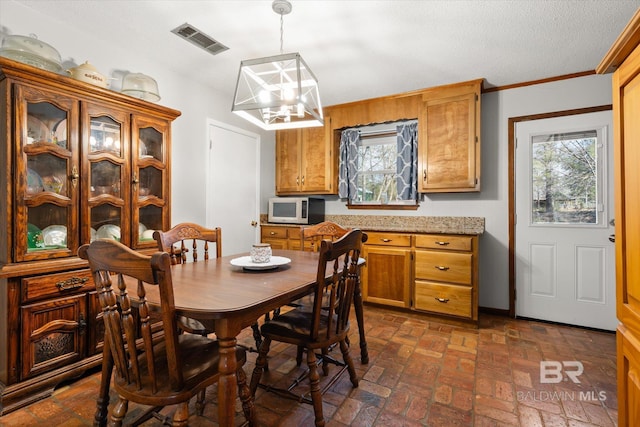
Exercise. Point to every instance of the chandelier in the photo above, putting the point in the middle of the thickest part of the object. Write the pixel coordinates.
(278, 92)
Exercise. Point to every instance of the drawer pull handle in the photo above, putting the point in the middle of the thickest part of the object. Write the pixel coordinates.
(442, 267)
(385, 240)
(72, 283)
(272, 233)
(441, 243)
(442, 300)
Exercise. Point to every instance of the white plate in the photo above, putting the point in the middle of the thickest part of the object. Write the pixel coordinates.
(109, 231)
(55, 235)
(245, 262)
(60, 131)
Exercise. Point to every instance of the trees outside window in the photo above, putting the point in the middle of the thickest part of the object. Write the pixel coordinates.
(565, 178)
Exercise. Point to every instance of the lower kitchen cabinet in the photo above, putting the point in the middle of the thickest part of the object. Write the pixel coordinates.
(283, 237)
(386, 276)
(446, 275)
(280, 237)
(432, 273)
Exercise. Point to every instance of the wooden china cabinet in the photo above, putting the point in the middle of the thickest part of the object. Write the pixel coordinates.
(80, 162)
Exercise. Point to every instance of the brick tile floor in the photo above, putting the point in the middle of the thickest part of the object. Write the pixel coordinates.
(423, 371)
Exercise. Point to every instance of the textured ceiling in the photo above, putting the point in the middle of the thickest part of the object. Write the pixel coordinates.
(362, 49)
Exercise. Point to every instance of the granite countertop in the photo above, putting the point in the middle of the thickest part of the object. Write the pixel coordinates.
(405, 224)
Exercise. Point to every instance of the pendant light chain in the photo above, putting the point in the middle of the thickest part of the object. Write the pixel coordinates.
(281, 32)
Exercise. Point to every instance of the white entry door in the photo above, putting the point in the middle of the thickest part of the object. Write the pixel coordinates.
(233, 186)
(565, 262)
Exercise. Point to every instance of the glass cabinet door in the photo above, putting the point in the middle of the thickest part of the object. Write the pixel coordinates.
(47, 174)
(105, 174)
(150, 179)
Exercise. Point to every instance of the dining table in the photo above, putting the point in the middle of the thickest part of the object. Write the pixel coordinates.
(233, 295)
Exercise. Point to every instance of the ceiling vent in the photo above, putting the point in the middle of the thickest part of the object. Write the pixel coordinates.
(200, 39)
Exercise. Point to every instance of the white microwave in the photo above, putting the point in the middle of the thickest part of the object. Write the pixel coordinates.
(296, 210)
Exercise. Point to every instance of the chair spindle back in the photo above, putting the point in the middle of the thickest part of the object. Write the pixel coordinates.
(340, 258)
(185, 232)
(119, 272)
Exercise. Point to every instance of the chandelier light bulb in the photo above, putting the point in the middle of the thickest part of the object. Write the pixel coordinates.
(289, 94)
(265, 96)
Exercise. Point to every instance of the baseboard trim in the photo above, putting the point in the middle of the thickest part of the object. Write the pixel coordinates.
(495, 311)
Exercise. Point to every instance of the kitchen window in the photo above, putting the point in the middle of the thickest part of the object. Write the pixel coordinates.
(378, 165)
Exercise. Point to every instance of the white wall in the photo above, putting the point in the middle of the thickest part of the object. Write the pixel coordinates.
(198, 103)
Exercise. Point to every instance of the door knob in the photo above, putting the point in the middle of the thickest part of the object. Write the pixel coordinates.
(254, 223)
(612, 238)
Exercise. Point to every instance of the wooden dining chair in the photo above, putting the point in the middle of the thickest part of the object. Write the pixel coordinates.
(310, 238)
(191, 237)
(321, 327)
(150, 369)
(180, 240)
(312, 235)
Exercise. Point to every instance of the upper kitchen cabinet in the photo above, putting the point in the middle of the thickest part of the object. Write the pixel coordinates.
(306, 161)
(449, 138)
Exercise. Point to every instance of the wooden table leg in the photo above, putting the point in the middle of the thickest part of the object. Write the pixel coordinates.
(227, 385)
(358, 305)
(102, 407)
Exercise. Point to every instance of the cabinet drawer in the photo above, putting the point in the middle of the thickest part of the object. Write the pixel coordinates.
(450, 267)
(56, 285)
(293, 233)
(388, 239)
(274, 232)
(277, 243)
(445, 299)
(441, 241)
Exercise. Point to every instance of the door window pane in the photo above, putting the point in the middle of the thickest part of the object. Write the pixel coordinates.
(565, 178)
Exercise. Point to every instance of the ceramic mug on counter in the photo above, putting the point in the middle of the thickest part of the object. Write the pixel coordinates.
(261, 253)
